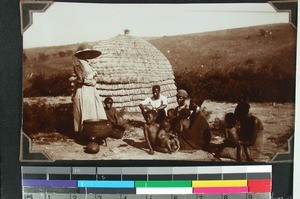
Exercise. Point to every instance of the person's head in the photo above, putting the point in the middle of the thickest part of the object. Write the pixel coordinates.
(242, 110)
(156, 91)
(181, 96)
(230, 119)
(108, 102)
(150, 116)
(165, 124)
(171, 113)
(184, 113)
(243, 97)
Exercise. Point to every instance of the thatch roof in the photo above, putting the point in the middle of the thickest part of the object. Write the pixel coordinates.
(127, 70)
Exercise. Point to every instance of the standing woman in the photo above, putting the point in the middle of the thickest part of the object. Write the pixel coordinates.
(87, 104)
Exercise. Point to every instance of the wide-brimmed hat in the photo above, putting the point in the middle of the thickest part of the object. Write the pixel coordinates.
(86, 51)
(182, 93)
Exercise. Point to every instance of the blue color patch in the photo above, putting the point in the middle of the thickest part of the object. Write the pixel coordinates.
(106, 184)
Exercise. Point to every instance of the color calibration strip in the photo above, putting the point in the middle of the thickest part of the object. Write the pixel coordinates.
(207, 182)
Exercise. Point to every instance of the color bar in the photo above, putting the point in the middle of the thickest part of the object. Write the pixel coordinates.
(219, 183)
(164, 190)
(259, 169)
(220, 190)
(50, 183)
(259, 186)
(180, 183)
(106, 184)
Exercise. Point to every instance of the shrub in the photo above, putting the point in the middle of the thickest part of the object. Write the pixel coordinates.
(264, 84)
(44, 117)
(55, 85)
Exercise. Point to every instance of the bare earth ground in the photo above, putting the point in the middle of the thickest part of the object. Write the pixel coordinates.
(278, 120)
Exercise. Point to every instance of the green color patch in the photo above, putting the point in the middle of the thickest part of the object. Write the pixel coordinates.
(178, 183)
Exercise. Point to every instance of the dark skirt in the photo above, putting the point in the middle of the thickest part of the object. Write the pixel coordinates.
(197, 136)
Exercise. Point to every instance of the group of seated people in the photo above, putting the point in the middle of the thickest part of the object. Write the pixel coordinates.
(185, 127)
(169, 130)
(243, 134)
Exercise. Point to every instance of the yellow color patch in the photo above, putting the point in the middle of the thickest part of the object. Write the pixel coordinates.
(219, 183)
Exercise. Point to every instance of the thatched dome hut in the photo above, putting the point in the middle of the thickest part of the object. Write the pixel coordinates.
(127, 70)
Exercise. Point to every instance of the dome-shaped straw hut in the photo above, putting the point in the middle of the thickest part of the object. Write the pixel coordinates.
(127, 70)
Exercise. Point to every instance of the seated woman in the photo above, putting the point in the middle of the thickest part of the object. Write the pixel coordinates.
(198, 135)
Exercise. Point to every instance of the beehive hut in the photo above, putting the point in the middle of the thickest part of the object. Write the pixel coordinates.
(127, 70)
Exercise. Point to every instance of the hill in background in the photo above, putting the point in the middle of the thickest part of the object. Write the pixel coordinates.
(219, 65)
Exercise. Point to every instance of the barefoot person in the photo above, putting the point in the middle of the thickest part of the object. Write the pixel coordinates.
(166, 138)
(157, 103)
(87, 104)
(251, 130)
(118, 127)
(111, 111)
(232, 147)
(151, 130)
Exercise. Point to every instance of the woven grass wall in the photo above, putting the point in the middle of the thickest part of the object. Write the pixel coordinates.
(127, 70)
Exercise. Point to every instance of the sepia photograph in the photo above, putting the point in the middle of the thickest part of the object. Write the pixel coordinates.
(186, 82)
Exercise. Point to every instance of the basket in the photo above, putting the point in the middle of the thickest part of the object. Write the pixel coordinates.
(97, 128)
(118, 131)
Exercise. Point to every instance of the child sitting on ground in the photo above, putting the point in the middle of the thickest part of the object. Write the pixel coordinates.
(117, 125)
(111, 111)
(166, 138)
(151, 130)
(171, 114)
(232, 144)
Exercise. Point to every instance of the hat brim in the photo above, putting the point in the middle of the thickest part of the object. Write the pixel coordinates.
(87, 54)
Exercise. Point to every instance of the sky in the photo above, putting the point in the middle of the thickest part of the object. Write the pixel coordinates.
(69, 23)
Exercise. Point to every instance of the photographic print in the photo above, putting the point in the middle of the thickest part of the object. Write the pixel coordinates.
(186, 82)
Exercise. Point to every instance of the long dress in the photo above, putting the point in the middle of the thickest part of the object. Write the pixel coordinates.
(87, 104)
(197, 136)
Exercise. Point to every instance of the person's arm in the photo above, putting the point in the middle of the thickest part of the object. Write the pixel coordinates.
(229, 141)
(116, 115)
(164, 103)
(160, 134)
(151, 151)
(143, 104)
(257, 129)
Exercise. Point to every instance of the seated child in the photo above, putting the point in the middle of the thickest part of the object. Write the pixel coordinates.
(118, 128)
(166, 138)
(232, 139)
(110, 111)
(171, 114)
(151, 130)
